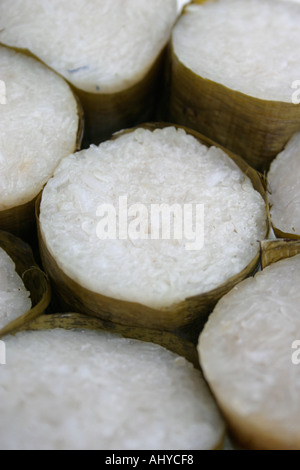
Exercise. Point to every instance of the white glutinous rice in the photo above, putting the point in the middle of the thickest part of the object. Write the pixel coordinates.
(98, 217)
(100, 46)
(14, 298)
(84, 390)
(249, 353)
(38, 126)
(283, 179)
(254, 51)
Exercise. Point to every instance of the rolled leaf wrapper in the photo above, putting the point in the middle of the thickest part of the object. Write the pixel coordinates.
(155, 148)
(113, 58)
(220, 76)
(39, 126)
(249, 352)
(34, 279)
(275, 250)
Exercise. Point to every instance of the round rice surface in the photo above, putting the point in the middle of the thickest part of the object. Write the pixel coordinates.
(85, 390)
(250, 355)
(102, 219)
(100, 46)
(255, 51)
(38, 126)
